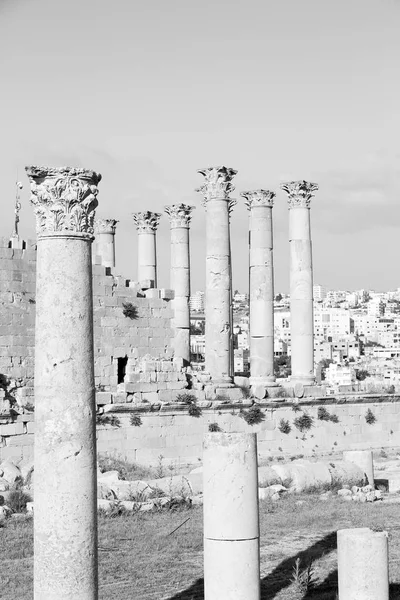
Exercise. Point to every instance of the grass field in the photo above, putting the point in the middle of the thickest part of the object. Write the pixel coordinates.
(141, 559)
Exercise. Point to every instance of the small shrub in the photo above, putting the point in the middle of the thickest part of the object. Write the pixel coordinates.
(383, 454)
(370, 417)
(136, 420)
(214, 427)
(17, 500)
(108, 420)
(253, 415)
(303, 579)
(334, 419)
(160, 470)
(129, 310)
(194, 410)
(296, 408)
(303, 423)
(284, 426)
(323, 414)
(29, 407)
(391, 389)
(186, 398)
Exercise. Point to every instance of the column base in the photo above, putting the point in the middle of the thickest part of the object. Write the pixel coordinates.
(267, 381)
(222, 383)
(304, 379)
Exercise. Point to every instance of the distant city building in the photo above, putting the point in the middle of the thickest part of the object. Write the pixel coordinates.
(376, 307)
(319, 292)
(241, 361)
(337, 375)
(196, 302)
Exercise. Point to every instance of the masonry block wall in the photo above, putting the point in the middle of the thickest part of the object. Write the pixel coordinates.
(133, 352)
(178, 437)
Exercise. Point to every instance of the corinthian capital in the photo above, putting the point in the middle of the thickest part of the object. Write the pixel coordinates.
(146, 222)
(64, 199)
(105, 225)
(258, 198)
(180, 215)
(218, 183)
(300, 193)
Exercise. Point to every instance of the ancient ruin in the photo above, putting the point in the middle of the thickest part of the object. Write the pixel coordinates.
(65, 527)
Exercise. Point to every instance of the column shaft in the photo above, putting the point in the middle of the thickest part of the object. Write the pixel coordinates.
(218, 292)
(104, 244)
(301, 296)
(301, 281)
(147, 262)
(231, 521)
(146, 225)
(363, 564)
(261, 288)
(180, 217)
(218, 312)
(65, 523)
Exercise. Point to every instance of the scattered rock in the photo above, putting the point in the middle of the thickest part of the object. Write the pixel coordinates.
(5, 512)
(4, 485)
(29, 507)
(344, 492)
(10, 471)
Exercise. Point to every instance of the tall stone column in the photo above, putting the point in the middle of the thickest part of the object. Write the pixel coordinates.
(146, 225)
(65, 524)
(301, 280)
(180, 216)
(105, 241)
(261, 288)
(218, 206)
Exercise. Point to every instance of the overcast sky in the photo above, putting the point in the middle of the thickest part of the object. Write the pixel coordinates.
(147, 92)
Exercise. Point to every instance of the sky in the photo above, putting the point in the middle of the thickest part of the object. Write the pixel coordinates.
(147, 93)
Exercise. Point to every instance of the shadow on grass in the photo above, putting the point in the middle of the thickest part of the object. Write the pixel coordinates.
(281, 577)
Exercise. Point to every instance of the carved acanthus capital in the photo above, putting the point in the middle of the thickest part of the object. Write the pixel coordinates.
(105, 225)
(64, 199)
(180, 215)
(258, 198)
(146, 222)
(218, 183)
(300, 193)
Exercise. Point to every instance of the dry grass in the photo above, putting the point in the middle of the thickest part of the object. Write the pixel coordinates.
(139, 559)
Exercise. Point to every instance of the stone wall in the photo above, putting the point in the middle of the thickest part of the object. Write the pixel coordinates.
(178, 437)
(133, 352)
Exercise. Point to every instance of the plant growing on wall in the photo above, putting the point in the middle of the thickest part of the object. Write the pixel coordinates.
(214, 427)
(325, 415)
(284, 426)
(136, 420)
(253, 415)
(303, 423)
(191, 401)
(129, 310)
(370, 417)
(108, 420)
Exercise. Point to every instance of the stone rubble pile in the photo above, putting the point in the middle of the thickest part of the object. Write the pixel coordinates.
(360, 494)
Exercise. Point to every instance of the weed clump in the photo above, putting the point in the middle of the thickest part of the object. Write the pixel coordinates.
(214, 427)
(136, 420)
(284, 426)
(253, 415)
(303, 423)
(108, 420)
(129, 310)
(191, 401)
(17, 500)
(370, 417)
(325, 415)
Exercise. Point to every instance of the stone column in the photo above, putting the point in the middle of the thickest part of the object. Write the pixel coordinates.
(146, 225)
(301, 280)
(65, 524)
(231, 521)
(180, 217)
(218, 205)
(260, 203)
(363, 564)
(104, 245)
